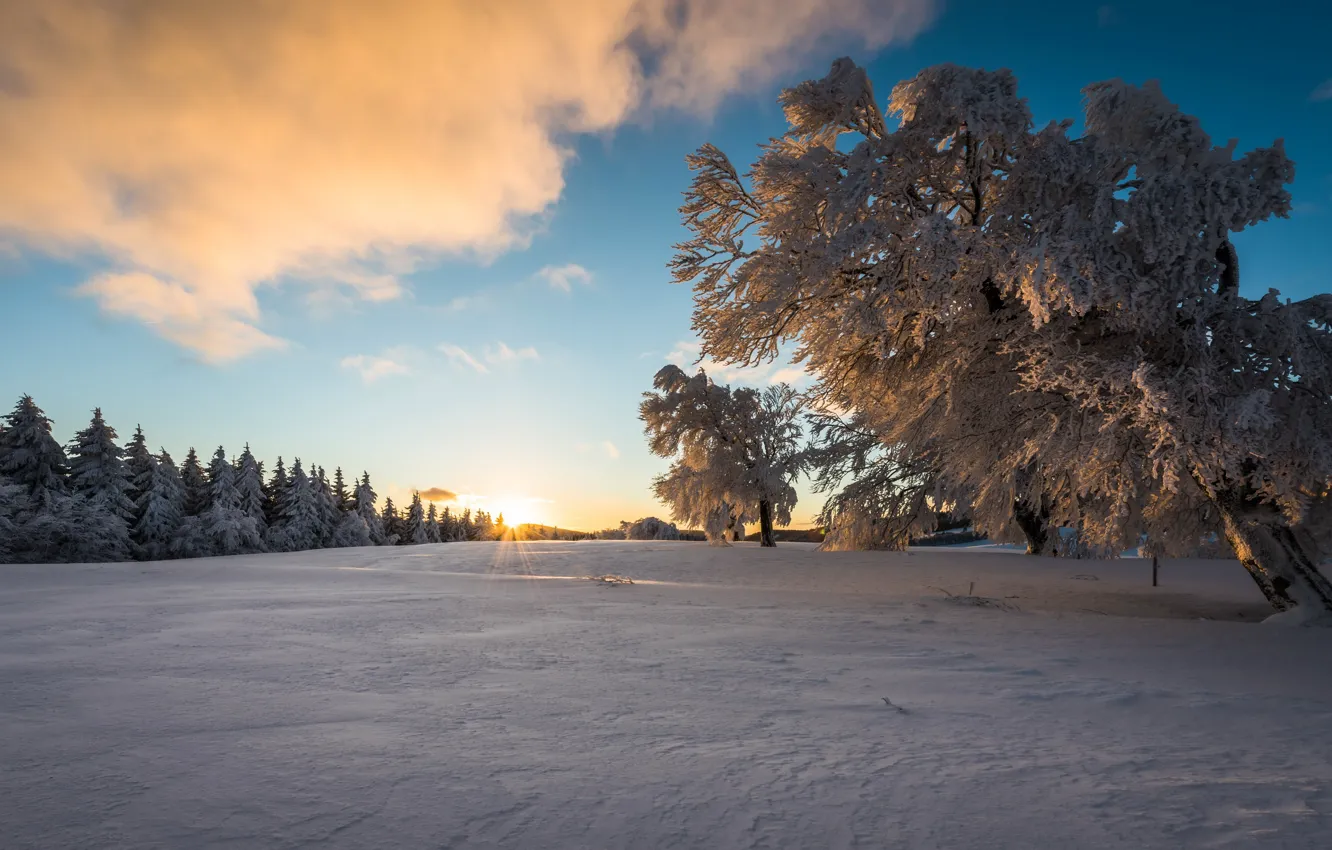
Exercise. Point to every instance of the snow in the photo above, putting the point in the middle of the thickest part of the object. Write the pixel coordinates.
(437, 696)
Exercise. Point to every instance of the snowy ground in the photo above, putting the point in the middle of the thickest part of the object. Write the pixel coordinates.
(433, 697)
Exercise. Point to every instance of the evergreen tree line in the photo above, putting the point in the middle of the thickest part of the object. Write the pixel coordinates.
(99, 501)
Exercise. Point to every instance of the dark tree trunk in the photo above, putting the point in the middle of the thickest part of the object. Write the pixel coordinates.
(1035, 524)
(765, 524)
(1280, 561)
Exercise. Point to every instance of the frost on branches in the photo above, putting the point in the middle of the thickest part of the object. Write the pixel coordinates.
(1051, 326)
(734, 452)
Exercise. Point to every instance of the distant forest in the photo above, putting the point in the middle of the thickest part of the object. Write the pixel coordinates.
(95, 500)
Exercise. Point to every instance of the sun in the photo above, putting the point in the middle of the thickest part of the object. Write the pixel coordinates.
(516, 511)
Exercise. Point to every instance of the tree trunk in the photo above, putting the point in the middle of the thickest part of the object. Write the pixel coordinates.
(765, 524)
(1282, 564)
(1035, 525)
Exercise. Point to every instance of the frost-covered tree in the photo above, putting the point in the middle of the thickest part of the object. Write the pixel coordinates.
(30, 457)
(342, 496)
(250, 486)
(432, 524)
(880, 496)
(1051, 324)
(392, 523)
(414, 528)
(330, 517)
(160, 509)
(97, 469)
(73, 529)
(651, 528)
(10, 500)
(699, 496)
(138, 465)
(276, 492)
(196, 484)
(364, 499)
(735, 451)
(299, 525)
(224, 527)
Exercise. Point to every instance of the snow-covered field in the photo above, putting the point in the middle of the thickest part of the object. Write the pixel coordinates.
(465, 696)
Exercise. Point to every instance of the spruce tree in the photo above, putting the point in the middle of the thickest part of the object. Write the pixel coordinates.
(341, 495)
(432, 524)
(250, 486)
(329, 515)
(298, 526)
(364, 506)
(196, 484)
(160, 508)
(97, 470)
(224, 527)
(139, 462)
(413, 529)
(277, 492)
(392, 531)
(30, 457)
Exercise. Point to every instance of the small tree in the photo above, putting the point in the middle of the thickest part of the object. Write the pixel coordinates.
(732, 450)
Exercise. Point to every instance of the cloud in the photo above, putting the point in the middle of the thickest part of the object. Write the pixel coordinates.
(564, 277)
(611, 451)
(460, 357)
(499, 353)
(218, 147)
(686, 355)
(373, 367)
(793, 375)
(1322, 92)
(1105, 16)
(465, 302)
(213, 331)
(438, 494)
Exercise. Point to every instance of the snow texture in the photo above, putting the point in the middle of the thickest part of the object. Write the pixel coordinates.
(445, 696)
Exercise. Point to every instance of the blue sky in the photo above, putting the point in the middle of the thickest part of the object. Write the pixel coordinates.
(545, 424)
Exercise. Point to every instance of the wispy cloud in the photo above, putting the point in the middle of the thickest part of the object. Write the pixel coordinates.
(373, 367)
(686, 355)
(438, 494)
(461, 303)
(459, 356)
(564, 277)
(495, 354)
(499, 353)
(1106, 16)
(217, 147)
(611, 451)
(1322, 92)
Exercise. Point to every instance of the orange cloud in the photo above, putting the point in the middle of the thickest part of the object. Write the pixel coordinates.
(206, 149)
(439, 494)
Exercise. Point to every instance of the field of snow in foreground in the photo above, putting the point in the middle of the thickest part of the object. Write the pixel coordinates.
(464, 696)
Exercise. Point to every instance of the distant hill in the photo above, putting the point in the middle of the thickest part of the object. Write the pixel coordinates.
(533, 531)
(791, 535)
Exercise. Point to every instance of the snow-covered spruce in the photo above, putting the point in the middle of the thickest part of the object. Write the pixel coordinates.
(1052, 325)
